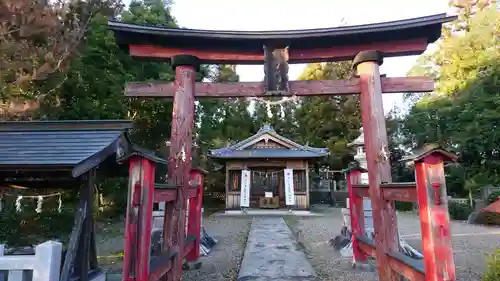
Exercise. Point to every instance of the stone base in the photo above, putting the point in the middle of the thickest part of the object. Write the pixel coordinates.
(191, 265)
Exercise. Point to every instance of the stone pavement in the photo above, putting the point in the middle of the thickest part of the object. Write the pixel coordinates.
(272, 254)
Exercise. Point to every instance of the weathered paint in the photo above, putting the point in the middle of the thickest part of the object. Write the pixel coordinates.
(139, 217)
(297, 88)
(356, 210)
(179, 160)
(194, 224)
(332, 53)
(434, 219)
(379, 170)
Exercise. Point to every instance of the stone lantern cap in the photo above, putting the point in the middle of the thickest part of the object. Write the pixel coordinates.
(359, 141)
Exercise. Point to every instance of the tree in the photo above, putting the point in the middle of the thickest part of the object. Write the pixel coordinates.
(463, 111)
(38, 39)
(332, 121)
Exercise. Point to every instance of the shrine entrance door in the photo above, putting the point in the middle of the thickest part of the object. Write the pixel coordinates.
(266, 191)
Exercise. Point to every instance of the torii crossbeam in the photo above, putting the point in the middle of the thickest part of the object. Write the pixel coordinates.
(366, 45)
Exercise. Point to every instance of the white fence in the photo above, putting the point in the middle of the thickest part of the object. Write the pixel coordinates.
(44, 265)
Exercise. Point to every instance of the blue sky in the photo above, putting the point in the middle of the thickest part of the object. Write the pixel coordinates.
(289, 14)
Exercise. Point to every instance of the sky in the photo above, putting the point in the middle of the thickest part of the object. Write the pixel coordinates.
(252, 15)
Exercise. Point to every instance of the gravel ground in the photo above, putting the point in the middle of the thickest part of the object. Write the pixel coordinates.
(222, 264)
(470, 244)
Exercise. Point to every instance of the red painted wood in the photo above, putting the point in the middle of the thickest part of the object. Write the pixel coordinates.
(356, 210)
(379, 170)
(298, 88)
(336, 53)
(362, 192)
(168, 238)
(139, 218)
(434, 219)
(131, 222)
(405, 194)
(191, 193)
(194, 224)
(146, 218)
(405, 270)
(179, 160)
(367, 249)
(165, 195)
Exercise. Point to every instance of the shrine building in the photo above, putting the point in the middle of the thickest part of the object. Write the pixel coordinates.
(267, 171)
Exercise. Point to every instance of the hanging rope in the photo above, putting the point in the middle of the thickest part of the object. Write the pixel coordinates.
(39, 201)
(293, 99)
(266, 174)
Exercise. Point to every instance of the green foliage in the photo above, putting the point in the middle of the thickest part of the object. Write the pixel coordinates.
(403, 206)
(330, 122)
(28, 227)
(493, 267)
(463, 111)
(459, 211)
(493, 197)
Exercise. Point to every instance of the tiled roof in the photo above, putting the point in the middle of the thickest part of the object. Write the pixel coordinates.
(242, 150)
(78, 145)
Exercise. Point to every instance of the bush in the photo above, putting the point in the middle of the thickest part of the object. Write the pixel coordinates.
(493, 267)
(28, 227)
(459, 211)
(403, 206)
(493, 197)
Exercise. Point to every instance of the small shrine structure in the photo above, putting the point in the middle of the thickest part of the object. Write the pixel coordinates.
(267, 171)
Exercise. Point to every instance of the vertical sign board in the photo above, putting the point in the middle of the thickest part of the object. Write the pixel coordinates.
(245, 189)
(289, 194)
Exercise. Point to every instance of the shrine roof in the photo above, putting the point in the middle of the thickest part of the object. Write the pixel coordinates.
(72, 146)
(251, 42)
(244, 149)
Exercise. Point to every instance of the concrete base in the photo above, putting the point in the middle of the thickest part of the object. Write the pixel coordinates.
(272, 254)
(270, 212)
(191, 265)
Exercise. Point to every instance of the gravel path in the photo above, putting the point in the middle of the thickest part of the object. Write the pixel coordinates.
(470, 244)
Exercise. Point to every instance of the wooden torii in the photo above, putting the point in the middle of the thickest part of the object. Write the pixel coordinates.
(366, 45)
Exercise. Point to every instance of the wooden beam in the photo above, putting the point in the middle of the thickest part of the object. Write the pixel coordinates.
(367, 248)
(335, 53)
(406, 194)
(407, 267)
(299, 88)
(165, 195)
(362, 192)
(161, 265)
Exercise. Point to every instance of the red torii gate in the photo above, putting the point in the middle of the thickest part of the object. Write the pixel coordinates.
(366, 45)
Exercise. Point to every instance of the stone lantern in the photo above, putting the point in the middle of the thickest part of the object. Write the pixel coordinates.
(358, 145)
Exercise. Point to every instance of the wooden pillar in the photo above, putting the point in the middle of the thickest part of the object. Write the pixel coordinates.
(179, 160)
(194, 224)
(308, 196)
(379, 170)
(139, 219)
(434, 218)
(227, 185)
(356, 211)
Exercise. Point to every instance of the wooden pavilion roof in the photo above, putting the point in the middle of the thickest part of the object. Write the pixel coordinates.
(291, 149)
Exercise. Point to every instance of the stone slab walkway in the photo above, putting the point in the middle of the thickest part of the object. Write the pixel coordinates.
(272, 254)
